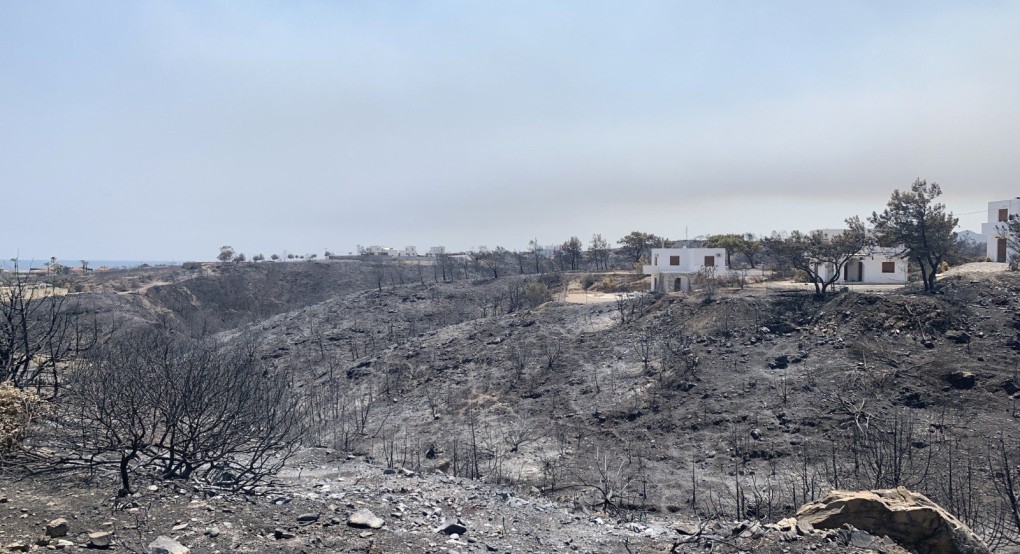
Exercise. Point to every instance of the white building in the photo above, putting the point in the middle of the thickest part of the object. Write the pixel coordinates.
(876, 266)
(376, 250)
(672, 268)
(995, 229)
(873, 266)
(436, 251)
(408, 252)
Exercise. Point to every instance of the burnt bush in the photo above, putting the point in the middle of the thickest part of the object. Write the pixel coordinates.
(191, 408)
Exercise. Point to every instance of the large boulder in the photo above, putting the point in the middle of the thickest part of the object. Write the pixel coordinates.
(909, 518)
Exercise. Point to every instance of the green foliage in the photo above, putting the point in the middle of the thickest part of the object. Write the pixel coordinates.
(637, 245)
(819, 257)
(745, 245)
(535, 294)
(226, 253)
(920, 225)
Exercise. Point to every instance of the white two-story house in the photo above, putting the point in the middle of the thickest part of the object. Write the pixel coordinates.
(995, 229)
(672, 268)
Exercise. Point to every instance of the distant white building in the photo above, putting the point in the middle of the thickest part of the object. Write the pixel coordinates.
(874, 266)
(376, 250)
(549, 251)
(877, 266)
(995, 229)
(436, 251)
(672, 268)
(408, 252)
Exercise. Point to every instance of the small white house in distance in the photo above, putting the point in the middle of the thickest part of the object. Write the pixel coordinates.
(376, 250)
(874, 266)
(877, 266)
(436, 251)
(672, 268)
(994, 229)
(408, 252)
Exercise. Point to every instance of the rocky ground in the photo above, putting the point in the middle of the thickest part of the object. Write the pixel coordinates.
(332, 502)
(683, 423)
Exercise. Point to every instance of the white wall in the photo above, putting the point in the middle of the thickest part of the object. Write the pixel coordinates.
(691, 260)
(993, 228)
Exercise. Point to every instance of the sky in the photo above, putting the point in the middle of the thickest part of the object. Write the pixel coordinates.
(164, 130)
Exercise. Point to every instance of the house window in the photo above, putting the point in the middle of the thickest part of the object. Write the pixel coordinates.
(888, 267)
(1004, 214)
(709, 261)
(674, 260)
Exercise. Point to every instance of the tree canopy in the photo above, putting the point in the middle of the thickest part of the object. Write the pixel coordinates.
(744, 244)
(819, 256)
(637, 245)
(920, 226)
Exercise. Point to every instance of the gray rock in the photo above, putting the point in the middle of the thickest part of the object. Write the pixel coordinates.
(280, 534)
(451, 527)
(306, 519)
(365, 519)
(959, 337)
(166, 545)
(961, 379)
(100, 539)
(56, 528)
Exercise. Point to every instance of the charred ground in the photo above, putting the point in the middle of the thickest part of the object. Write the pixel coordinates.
(722, 405)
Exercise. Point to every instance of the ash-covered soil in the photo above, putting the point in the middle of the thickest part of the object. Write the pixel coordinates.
(652, 424)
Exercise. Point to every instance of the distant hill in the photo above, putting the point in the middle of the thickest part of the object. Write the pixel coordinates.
(971, 235)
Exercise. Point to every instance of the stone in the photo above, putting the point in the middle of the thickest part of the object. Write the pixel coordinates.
(212, 532)
(56, 528)
(166, 545)
(280, 534)
(18, 547)
(365, 519)
(100, 539)
(959, 337)
(687, 528)
(307, 519)
(451, 527)
(910, 519)
(961, 379)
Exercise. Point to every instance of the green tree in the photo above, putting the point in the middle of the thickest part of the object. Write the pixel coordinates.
(922, 227)
(637, 245)
(745, 245)
(572, 249)
(226, 253)
(598, 252)
(821, 257)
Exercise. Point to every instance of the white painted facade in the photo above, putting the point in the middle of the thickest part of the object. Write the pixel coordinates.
(994, 229)
(672, 268)
(376, 250)
(877, 266)
(408, 252)
(436, 251)
(874, 266)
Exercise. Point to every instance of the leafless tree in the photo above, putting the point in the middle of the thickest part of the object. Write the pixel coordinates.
(192, 408)
(40, 331)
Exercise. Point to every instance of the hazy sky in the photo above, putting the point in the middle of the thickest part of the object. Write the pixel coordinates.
(163, 130)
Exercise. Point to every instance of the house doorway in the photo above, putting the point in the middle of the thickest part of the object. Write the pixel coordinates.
(853, 272)
(681, 284)
(1001, 254)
